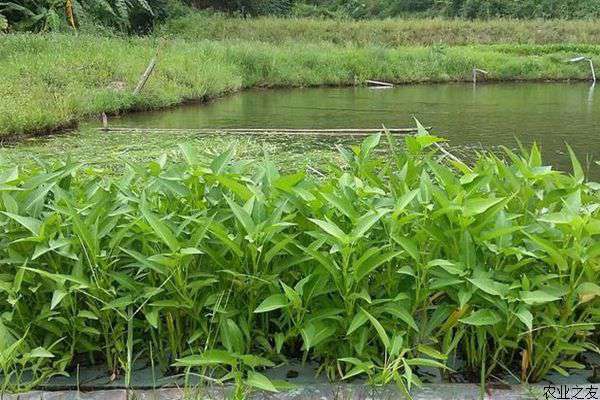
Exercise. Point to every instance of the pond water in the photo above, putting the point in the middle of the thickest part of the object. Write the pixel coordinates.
(487, 114)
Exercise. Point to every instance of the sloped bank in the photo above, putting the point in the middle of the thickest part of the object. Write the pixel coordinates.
(50, 81)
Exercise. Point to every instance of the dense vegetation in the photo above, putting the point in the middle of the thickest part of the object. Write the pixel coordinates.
(383, 33)
(115, 15)
(142, 15)
(525, 9)
(222, 267)
(54, 80)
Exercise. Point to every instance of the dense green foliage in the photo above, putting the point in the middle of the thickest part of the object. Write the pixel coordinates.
(55, 15)
(389, 263)
(142, 15)
(359, 9)
(525, 9)
(53, 80)
(382, 33)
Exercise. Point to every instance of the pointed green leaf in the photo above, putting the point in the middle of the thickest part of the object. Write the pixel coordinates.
(271, 303)
(160, 229)
(481, 318)
(260, 381)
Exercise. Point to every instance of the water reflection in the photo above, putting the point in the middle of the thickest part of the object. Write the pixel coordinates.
(488, 114)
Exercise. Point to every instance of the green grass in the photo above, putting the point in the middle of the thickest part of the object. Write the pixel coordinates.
(384, 33)
(49, 81)
(219, 267)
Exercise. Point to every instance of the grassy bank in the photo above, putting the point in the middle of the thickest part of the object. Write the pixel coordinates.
(49, 81)
(385, 33)
(217, 267)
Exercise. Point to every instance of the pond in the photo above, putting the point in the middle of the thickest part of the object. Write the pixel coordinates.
(483, 115)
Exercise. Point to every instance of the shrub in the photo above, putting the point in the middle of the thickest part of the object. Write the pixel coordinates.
(54, 15)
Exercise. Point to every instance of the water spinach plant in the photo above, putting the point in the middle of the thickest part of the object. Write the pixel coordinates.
(399, 260)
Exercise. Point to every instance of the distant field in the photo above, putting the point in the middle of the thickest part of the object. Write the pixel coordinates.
(386, 33)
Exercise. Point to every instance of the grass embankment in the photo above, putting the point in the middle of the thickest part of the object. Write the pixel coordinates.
(384, 33)
(386, 265)
(49, 81)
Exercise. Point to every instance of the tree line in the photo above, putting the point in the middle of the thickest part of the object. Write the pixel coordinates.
(139, 16)
(358, 9)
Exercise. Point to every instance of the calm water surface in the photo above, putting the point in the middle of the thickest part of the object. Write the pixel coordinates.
(489, 114)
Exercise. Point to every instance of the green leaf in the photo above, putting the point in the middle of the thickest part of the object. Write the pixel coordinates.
(9, 175)
(332, 229)
(481, 318)
(152, 317)
(425, 362)
(398, 311)
(291, 295)
(31, 224)
(260, 381)
(359, 320)
(271, 303)
(255, 361)
(478, 206)
(366, 222)
(369, 144)
(557, 218)
(209, 357)
(537, 297)
(577, 170)
(57, 296)
(572, 364)
(360, 367)
(404, 200)
(366, 266)
(315, 333)
(431, 352)
(160, 228)
(327, 262)
(549, 248)
(287, 182)
(421, 131)
(379, 328)
(409, 245)
(490, 286)
(241, 215)
(341, 203)
(189, 251)
(232, 336)
(448, 266)
(87, 314)
(560, 370)
(219, 162)
(236, 187)
(119, 303)
(40, 352)
(525, 316)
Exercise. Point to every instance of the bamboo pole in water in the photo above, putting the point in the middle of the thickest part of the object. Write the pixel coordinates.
(270, 131)
(476, 71)
(386, 84)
